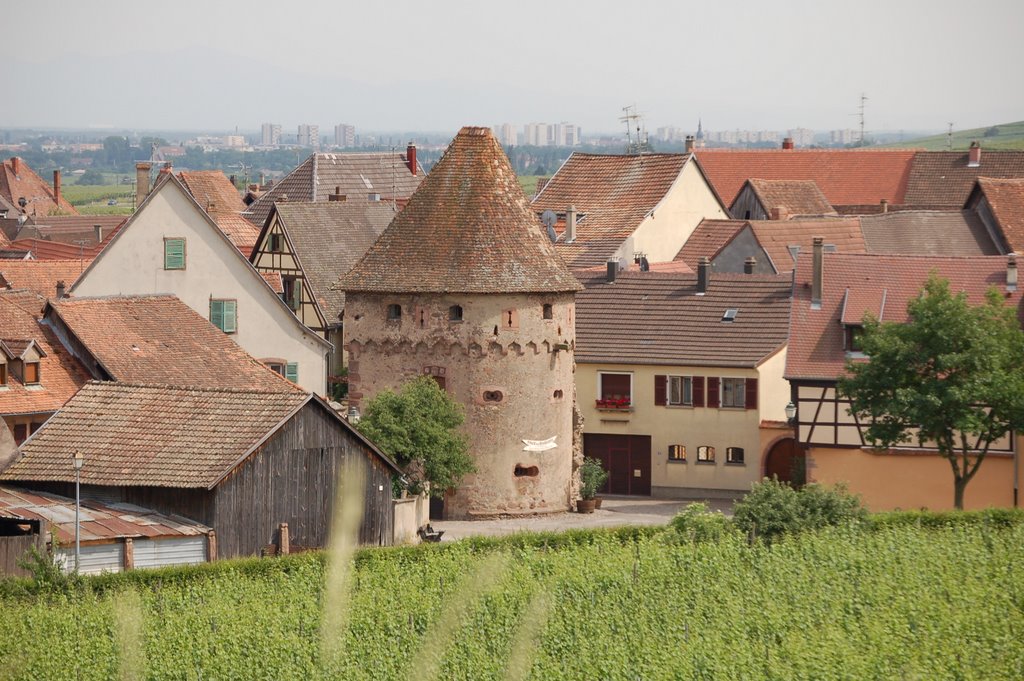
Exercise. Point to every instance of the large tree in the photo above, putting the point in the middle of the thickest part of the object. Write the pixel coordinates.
(952, 377)
(419, 427)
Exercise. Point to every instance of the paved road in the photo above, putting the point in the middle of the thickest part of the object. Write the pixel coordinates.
(615, 511)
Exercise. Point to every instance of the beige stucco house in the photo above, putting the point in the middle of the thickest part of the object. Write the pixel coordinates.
(621, 207)
(679, 379)
(171, 245)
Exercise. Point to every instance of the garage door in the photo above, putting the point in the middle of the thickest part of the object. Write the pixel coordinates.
(627, 458)
(178, 551)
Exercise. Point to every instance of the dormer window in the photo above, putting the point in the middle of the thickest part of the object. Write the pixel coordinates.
(394, 313)
(3, 374)
(852, 337)
(729, 316)
(32, 373)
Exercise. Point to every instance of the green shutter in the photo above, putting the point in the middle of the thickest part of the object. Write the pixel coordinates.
(174, 254)
(291, 372)
(223, 315)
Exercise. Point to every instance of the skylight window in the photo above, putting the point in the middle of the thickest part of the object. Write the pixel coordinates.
(730, 315)
(831, 248)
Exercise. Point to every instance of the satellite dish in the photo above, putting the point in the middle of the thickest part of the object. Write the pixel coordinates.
(549, 218)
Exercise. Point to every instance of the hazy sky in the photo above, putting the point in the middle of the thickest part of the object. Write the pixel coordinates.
(442, 64)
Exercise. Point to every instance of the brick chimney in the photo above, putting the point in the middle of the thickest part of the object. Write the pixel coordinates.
(703, 274)
(570, 224)
(690, 142)
(60, 289)
(885, 205)
(611, 269)
(142, 169)
(1011, 273)
(410, 157)
(780, 213)
(56, 187)
(818, 272)
(97, 231)
(787, 142)
(337, 195)
(974, 155)
(749, 264)
(16, 164)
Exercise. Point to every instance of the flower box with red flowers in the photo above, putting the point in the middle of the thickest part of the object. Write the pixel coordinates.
(617, 404)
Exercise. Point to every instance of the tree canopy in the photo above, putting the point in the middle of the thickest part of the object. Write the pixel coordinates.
(419, 427)
(951, 378)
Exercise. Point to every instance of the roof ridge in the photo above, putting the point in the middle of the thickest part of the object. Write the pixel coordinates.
(186, 388)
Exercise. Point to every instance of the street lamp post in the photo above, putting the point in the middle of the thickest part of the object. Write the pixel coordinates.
(78, 460)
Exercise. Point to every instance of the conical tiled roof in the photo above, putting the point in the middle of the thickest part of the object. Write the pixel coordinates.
(467, 229)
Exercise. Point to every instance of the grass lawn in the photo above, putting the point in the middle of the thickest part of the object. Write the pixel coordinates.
(1008, 136)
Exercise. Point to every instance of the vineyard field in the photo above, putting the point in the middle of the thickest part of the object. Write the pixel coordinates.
(898, 603)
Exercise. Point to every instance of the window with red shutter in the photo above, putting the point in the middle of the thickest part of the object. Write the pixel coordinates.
(660, 390)
(698, 391)
(751, 396)
(713, 392)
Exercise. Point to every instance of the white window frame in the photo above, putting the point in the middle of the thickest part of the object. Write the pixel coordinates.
(685, 395)
(600, 383)
(738, 395)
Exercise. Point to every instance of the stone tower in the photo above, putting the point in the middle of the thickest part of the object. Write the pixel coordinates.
(465, 286)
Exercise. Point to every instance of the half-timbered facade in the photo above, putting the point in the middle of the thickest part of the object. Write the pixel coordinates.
(832, 294)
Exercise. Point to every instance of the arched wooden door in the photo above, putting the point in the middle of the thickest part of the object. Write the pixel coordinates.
(786, 462)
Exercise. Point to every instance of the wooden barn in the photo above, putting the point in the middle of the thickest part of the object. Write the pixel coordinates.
(242, 462)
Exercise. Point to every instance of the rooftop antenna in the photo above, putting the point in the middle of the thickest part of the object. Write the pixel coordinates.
(860, 113)
(394, 177)
(630, 118)
(245, 168)
(949, 137)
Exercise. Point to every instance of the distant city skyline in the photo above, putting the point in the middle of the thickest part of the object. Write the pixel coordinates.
(771, 66)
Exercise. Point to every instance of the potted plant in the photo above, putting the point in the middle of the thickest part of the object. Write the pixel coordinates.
(592, 478)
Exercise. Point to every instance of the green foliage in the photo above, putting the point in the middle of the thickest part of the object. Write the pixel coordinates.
(773, 509)
(592, 477)
(955, 372)
(92, 177)
(838, 604)
(697, 523)
(418, 426)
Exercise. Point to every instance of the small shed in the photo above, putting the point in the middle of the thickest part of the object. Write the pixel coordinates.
(113, 536)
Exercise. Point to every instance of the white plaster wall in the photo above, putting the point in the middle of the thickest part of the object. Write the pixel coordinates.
(663, 233)
(133, 264)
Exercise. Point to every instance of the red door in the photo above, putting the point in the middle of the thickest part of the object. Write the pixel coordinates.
(785, 461)
(627, 458)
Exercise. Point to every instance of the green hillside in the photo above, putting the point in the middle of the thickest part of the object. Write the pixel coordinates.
(1002, 136)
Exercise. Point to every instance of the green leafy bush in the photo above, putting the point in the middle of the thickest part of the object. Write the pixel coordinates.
(592, 477)
(697, 523)
(773, 509)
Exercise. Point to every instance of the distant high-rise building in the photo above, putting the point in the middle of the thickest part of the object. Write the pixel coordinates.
(344, 135)
(843, 136)
(271, 136)
(506, 134)
(802, 137)
(309, 135)
(535, 134)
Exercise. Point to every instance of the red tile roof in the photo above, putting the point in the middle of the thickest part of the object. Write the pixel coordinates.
(612, 195)
(943, 177)
(76, 230)
(159, 339)
(24, 183)
(797, 197)
(154, 436)
(659, 319)
(60, 374)
(1006, 201)
(40, 276)
(99, 521)
(215, 194)
(55, 249)
(882, 284)
(708, 239)
(844, 176)
(778, 236)
(928, 232)
(468, 229)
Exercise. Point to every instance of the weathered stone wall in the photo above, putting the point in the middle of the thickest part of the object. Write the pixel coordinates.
(510, 368)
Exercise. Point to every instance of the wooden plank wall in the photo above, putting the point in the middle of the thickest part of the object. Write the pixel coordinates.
(292, 479)
(13, 549)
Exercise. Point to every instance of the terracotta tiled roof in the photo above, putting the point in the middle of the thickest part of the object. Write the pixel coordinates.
(467, 229)
(242, 233)
(26, 184)
(1006, 200)
(159, 339)
(357, 174)
(329, 237)
(154, 436)
(658, 318)
(797, 197)
(612, 195)
(76, 230)
(927, 233)
(777, 237)
(40, 276)
(844, 176)
(882, 284)
(98, 520)
(50, 248)
(59, 373)
(943, 178)
(212, 190)
(710, 237)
